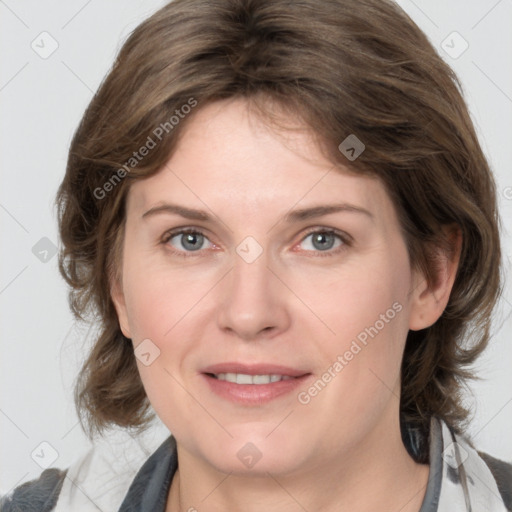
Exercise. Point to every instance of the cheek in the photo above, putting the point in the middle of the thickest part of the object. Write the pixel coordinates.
(157, 300)
(361, 302)
(366, 310)
(158, 312)
(165, 308)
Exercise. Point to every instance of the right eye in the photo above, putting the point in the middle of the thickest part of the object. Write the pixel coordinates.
(186, 241)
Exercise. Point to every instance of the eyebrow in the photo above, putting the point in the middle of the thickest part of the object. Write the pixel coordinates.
(318, 211)
(293, 216)
(188, 213)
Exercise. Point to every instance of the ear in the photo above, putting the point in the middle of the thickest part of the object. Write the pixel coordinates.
(117, 294)
(429, 301)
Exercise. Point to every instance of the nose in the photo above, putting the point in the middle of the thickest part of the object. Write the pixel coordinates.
(253, 302)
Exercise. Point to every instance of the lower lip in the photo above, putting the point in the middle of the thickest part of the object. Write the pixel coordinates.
(254, 394)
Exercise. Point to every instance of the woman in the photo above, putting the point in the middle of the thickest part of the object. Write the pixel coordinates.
(283, 218)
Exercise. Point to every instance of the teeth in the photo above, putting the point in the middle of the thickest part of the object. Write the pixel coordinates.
(243, 378)
(261, 379)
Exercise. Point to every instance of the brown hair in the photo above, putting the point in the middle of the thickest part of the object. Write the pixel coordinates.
(344, 67)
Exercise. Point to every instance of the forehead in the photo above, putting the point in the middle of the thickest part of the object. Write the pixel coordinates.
(229, 155)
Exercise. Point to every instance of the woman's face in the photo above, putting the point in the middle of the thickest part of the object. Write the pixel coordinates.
(290, 268)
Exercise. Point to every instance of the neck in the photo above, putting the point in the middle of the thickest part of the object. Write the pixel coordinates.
(377, 476)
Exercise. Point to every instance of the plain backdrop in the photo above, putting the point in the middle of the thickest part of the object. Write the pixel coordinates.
(42, 98)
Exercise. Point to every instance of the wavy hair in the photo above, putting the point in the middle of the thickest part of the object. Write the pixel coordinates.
(344, 67)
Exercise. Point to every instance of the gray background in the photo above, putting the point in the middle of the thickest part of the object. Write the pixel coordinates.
(42, 101)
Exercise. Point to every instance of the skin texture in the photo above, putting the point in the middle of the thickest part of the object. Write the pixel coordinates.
(295, 305)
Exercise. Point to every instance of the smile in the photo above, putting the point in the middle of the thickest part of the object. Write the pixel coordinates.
(244, 378)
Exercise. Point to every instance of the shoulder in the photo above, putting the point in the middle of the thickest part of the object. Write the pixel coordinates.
(150, 486)
(502, 473)
(38, 495)
(97, 479)
(487, 478)
(460, 473)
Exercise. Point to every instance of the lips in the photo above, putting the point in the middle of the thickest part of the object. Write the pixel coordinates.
(252, 384)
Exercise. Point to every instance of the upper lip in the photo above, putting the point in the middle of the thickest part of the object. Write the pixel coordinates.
(254, 369)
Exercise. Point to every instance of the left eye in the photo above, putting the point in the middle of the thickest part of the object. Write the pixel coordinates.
(188, 240)
(322, 241)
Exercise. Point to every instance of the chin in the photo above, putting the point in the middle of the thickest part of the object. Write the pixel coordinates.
(251, 454)
(268, 463)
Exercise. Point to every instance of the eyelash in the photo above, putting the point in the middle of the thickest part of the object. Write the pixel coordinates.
(345, 239)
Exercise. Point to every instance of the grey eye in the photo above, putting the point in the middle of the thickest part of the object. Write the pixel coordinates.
(322, 241)
(188, 241)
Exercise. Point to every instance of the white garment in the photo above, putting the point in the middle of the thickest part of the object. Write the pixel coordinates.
(477, 490)
(100, 479)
